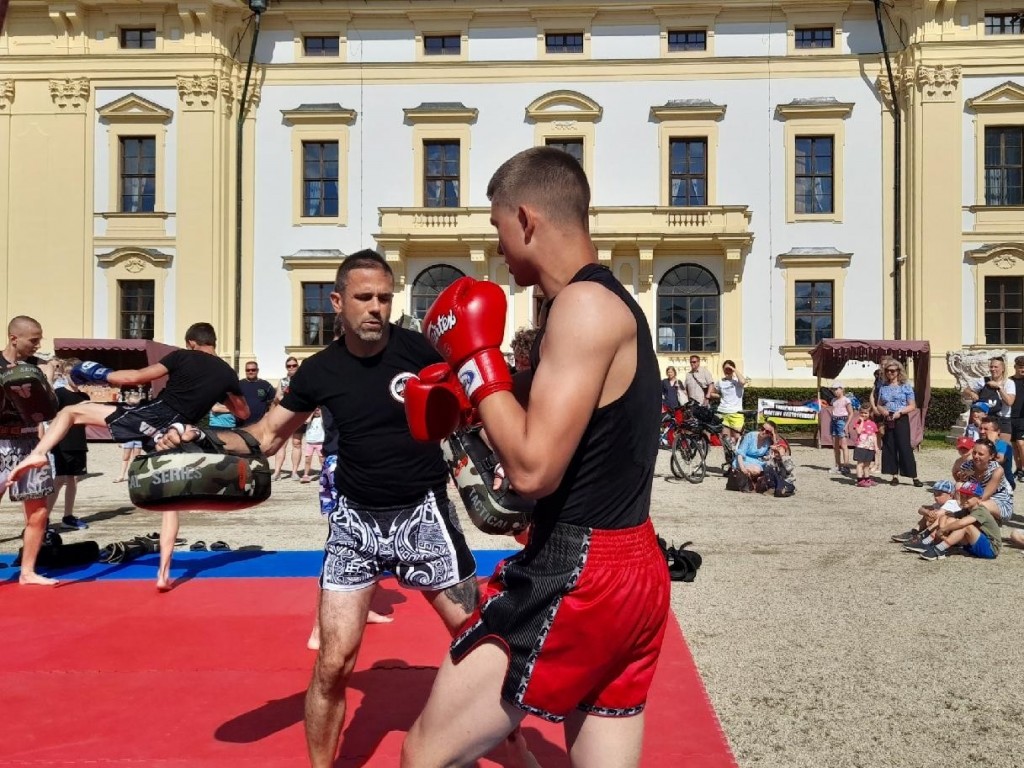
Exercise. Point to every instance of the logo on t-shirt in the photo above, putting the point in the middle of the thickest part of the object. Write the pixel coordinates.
(397, 386)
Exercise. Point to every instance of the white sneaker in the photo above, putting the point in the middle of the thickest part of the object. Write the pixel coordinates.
(836, 471)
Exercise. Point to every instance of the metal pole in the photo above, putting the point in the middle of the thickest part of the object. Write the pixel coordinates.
(238, 194)
(897, 186)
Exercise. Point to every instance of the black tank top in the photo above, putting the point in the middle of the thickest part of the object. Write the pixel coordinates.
(608, 481)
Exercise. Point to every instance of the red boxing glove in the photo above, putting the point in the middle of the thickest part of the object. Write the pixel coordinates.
(466, 324)
(435, 405)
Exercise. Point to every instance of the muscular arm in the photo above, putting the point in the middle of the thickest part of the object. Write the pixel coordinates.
(237, 405)
(586, 328)
(133, 377)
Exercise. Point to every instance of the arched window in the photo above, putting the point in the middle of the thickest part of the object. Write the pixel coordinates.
(428, 284)
(689, 305)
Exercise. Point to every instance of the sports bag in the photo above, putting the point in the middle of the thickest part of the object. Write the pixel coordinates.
(200, 476)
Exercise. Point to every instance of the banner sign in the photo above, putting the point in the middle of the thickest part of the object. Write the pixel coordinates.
(782, 412)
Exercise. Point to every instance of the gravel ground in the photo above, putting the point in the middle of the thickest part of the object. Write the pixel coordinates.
(820, 643)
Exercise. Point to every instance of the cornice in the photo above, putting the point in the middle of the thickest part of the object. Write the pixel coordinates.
(435, 113)
(804, 109)
(688, 110)
(564, 105)
(319, 114)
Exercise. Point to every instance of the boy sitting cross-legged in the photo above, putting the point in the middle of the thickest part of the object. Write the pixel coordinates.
(933, 514)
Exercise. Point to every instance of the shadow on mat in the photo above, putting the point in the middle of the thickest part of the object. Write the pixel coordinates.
(394, 694)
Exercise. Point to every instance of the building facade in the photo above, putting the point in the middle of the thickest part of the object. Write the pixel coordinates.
(741, 156)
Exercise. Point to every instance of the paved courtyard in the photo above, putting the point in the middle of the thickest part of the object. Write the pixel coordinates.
(820, 643)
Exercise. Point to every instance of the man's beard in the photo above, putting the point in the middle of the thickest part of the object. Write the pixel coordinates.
(365, 335)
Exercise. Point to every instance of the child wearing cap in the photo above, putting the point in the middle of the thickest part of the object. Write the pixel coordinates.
(839, 408)
(864, 451)
(933, 514)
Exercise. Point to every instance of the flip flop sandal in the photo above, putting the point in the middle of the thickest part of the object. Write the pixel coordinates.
(198, 546)
(219, 546)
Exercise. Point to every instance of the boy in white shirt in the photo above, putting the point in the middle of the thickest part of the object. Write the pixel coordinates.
(932, 514)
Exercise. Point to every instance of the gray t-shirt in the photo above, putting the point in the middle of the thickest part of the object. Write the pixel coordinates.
(696, 385)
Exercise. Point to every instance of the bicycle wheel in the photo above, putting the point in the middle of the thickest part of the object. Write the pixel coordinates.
(686, 461)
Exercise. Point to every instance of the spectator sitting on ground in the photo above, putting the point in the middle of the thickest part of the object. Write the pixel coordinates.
(1004, 453)
(779, 470)
(753, 448)
(976, 528)
(932, 514)
(981, 467)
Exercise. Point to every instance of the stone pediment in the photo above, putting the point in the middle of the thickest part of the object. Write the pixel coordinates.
(133, 108)
(564, 105)
(1008, 96)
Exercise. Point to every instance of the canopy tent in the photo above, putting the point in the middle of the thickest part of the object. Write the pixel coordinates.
(831, 355)
(118, 354)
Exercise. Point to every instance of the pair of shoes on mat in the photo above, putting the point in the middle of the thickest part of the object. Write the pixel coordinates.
(217, 546)
(156, 537)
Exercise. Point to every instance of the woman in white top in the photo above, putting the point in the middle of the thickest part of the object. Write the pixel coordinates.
(998, 391)
(729, 391)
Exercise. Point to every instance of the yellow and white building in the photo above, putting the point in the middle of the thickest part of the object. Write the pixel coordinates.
(741, 155)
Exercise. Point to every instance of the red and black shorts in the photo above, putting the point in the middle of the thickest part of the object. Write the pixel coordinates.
(581, 616)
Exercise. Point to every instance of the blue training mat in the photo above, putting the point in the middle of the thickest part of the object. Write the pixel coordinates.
(245, 563)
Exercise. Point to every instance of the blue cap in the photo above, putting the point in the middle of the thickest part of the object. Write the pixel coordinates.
(943, 486)
(983, 407)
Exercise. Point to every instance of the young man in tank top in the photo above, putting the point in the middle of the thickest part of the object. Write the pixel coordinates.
(569, 629)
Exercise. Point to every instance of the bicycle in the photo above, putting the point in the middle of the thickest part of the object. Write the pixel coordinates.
(689, 447)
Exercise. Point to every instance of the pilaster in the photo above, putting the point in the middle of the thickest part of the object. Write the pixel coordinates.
(933, 202)
(7, 93)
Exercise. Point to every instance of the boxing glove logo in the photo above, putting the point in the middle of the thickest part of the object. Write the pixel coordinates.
(440, 327)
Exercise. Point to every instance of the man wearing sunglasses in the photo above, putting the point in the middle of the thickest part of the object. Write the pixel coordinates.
(258, 393)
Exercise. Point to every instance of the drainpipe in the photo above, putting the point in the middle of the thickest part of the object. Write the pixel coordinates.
(897, 186)
(257, 7)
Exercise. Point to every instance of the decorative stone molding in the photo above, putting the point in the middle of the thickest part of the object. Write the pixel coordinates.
(134, 109)
(562, 106)
(6, 94)
(135, 260)
(968, 365)
(938, 83)
(70, 94)
(1001, 255)
(198, 91)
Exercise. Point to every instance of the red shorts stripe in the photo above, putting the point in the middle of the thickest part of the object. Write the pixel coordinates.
(582, 619)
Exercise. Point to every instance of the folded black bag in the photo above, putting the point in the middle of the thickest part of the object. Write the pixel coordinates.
(65, 555)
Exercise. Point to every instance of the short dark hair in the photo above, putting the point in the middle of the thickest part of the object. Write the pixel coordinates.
(202, 334)
(339, 326)
(20, 320)
(364, 259)
(548, 178)
(730, 363)
(988, 444)
(990, 420)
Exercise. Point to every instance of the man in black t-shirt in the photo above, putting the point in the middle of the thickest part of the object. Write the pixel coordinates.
(393, 513)
(196, 379)
(70, 454)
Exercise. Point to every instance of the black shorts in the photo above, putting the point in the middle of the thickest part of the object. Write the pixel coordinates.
(141, 422)
(1017, 429)
(1005, 426)
(863, 455)
(69, 463)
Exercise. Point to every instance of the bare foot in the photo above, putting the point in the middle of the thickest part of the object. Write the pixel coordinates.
(378, 618)
(119, 480)
(163, 581)
(37, 580)
(33, 460)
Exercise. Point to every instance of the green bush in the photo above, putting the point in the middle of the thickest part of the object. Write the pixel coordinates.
(944, 409)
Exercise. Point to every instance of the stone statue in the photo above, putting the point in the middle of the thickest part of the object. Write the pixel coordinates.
(969, 365)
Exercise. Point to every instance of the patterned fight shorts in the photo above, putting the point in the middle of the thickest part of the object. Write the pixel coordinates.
(420, 543)
(581, 616)
(36, 483)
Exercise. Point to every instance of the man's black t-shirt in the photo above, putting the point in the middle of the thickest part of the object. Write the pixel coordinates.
(195, 382)
(379, 462)
(75, 439)
(258, 394)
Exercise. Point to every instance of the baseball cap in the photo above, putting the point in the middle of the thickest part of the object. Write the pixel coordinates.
(983, 407)
(943, 486)
(964, 443)
(837, 385)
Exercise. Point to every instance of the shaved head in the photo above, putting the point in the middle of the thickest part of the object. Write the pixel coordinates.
(22, 323)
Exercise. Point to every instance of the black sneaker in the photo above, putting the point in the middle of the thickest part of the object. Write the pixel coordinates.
(934, 553)
(74, 523)
(917, 546)
(906, 537)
